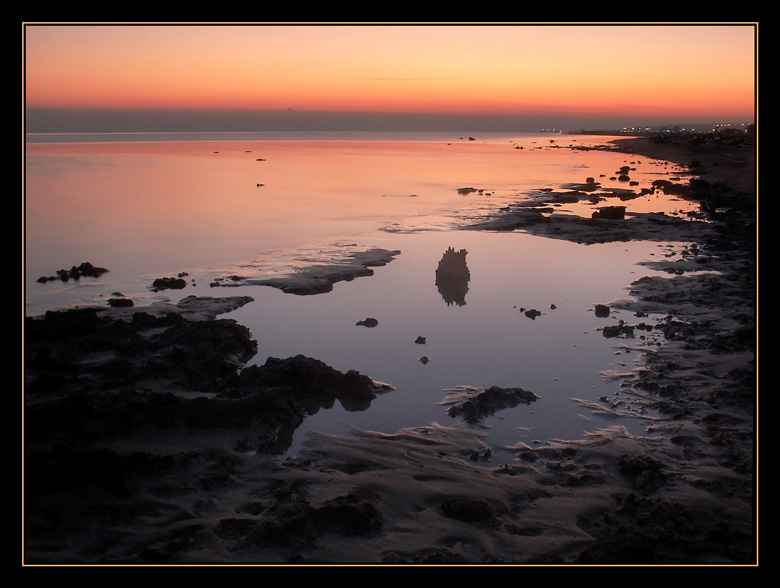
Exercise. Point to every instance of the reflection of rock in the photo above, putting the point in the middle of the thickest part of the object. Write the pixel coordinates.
(452, 277)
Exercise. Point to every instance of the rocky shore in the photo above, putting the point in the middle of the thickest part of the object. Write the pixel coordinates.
(146, 443)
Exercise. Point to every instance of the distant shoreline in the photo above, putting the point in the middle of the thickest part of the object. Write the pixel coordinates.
(724, 158)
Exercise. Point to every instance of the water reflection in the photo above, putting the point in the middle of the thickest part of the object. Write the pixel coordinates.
(452, 277)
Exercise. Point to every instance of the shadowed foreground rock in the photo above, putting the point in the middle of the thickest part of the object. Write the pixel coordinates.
(115, 406)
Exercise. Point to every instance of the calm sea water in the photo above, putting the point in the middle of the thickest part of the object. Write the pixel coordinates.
(153, 205)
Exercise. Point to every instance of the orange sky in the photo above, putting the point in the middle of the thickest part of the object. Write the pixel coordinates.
(665, 71)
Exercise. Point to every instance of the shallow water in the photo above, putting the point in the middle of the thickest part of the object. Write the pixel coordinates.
(213, 207)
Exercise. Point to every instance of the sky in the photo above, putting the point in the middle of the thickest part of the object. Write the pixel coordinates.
(254, 77)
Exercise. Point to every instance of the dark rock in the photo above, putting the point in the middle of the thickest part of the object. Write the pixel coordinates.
(602, 310)
(305, 384)
(350, 516)
(618, 330)
(610, 213)
(120, 302)
(452, 277)
(489, 402)
(469, 510)
(169, 283)
(234, 528)
(634, 465)
(420, 340)
(532, 313)
(368, 322)
(85, 269)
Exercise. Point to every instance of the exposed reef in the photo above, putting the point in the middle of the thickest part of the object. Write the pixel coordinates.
(319, 279)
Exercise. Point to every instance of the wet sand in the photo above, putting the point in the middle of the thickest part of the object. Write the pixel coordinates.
(145, 445)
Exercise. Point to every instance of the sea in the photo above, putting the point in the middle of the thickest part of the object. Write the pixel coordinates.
(208, 206)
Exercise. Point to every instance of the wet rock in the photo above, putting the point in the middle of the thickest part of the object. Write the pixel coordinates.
(351, 516)
(640, 468)
(305, 385)
(452, 277)
(602, 310)
(319, 279)
(610, 213)
(489, 402)
(120, 302)
(532, 313)
(368, 322)
(619, 330)
(85, 269)
(469, 510)
(96, 385)
(169, 283)
(293, 522)
(420, 340)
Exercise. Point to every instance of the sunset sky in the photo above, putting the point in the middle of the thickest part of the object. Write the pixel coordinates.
(154, 77)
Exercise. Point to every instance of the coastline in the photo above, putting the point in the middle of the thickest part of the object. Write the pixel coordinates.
(186, 481)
